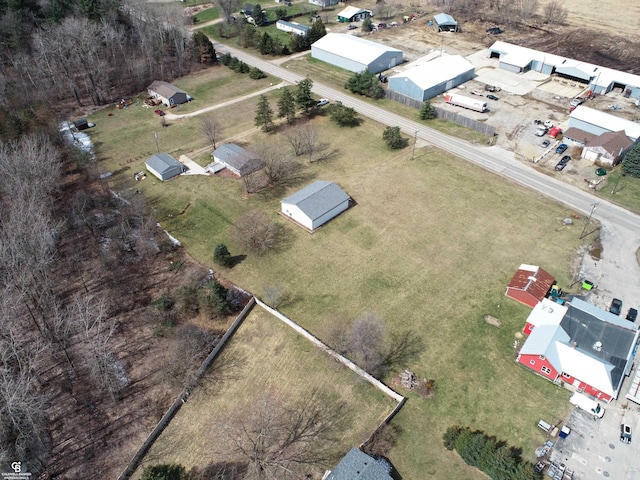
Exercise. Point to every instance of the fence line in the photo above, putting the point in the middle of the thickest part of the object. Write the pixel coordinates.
(184, 395)
(453, 117)
(345, 361)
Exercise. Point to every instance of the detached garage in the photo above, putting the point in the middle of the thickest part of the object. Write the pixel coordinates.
(433, 78)
(445, 23)
(355, 54)
(315, 204)
(164, 166)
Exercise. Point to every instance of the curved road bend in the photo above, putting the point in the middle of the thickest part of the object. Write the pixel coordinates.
(621, 228)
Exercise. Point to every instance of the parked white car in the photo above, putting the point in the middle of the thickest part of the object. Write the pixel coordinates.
(548, 124)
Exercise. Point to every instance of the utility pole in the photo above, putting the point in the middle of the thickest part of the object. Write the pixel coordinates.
(155, 136)
(415, 140)
(615, 186)
(593, 209)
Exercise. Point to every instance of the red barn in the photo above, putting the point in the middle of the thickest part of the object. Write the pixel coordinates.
(582, 346)
(529, 285)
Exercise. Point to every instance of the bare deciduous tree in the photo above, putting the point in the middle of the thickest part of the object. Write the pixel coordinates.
(554, 13)
(228, 7)
(279, 167)
(211, 129)
(256, 232)
(283, 441)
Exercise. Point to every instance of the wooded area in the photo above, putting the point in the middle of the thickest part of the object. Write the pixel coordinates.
(87, 358)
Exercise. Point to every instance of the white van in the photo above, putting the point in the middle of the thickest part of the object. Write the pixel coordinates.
(588, 405)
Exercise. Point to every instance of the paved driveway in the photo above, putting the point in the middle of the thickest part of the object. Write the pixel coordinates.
(594, 451)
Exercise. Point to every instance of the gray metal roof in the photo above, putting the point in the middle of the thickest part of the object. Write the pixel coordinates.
(163, 162)
(317, 199)
(237, 158)
(444, 19)
(357, 465)
(165, 89)
(587, 325)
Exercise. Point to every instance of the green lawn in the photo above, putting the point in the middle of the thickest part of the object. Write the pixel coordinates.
(267, 359)
(207, 15)
(621, 189)
(429, 247)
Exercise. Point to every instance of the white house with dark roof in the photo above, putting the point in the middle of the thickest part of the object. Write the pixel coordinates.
(168, 93)
(292, 27)
(355, 54)
(164, 166)
(237, 159)
(315, 204)
(357, 465)
(582, 346)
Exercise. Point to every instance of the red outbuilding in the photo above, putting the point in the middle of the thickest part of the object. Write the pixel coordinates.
(529, 285)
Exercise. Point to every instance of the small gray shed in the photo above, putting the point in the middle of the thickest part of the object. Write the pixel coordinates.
(357, 465)
(445, 23)
(315, 204)
(164, 166)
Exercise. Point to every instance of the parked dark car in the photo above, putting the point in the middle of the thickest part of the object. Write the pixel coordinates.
(494, 30)
(625, 433)
(537, 122)
(492, 97)
(562, 148)
(616, 306)
(563, 163)
(545, 143)
(632, 314)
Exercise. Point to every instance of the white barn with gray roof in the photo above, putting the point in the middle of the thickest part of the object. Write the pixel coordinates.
(315, 204)
(355, 54)
(164, 166)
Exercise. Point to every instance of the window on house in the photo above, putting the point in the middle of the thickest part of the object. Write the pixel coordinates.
(546, 370)
(566, 375)
(532, 362)
(541, 357)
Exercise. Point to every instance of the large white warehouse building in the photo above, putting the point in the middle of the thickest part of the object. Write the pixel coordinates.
(430, 79)
(355, 54)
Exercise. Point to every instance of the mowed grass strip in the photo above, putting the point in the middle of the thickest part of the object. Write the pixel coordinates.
(266, 358)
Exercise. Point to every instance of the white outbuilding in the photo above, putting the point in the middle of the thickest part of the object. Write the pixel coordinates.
(315, 204)
(433, 78)
(355, 54)
(164, 166)
(597, 122)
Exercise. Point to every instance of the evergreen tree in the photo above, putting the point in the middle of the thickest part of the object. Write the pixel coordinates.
(303, 97)
(222, 256)
(631, 162)
(164, 472)
(367, 26)
(202, 49)
(266, 44)
(344, 116)
(427, 112)
(287, 106)
(365, 83)
(316, 33)
(264, 114)
(257, 74)
(259, 17)
(394, 139)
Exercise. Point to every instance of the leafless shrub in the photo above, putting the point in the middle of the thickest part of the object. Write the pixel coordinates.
(211, 129)
(554, 13)
(256, 232)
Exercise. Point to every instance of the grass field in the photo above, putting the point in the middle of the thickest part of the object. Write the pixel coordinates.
(207, 15)
(266, 357)
(429, 247)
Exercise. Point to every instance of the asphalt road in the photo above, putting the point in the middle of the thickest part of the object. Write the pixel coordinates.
(617, 274)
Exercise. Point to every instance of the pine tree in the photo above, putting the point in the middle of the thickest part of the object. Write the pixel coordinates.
(287, 107)
(221, 255)
(266, 44)
(631, 162)
(316, 33)
(304, 100)
(264, 114)
(427, 112)
(394, 139)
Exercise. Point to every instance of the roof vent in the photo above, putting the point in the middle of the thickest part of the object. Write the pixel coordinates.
(532, 278)
(574, 345)
(550, 310)
(597, 346)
